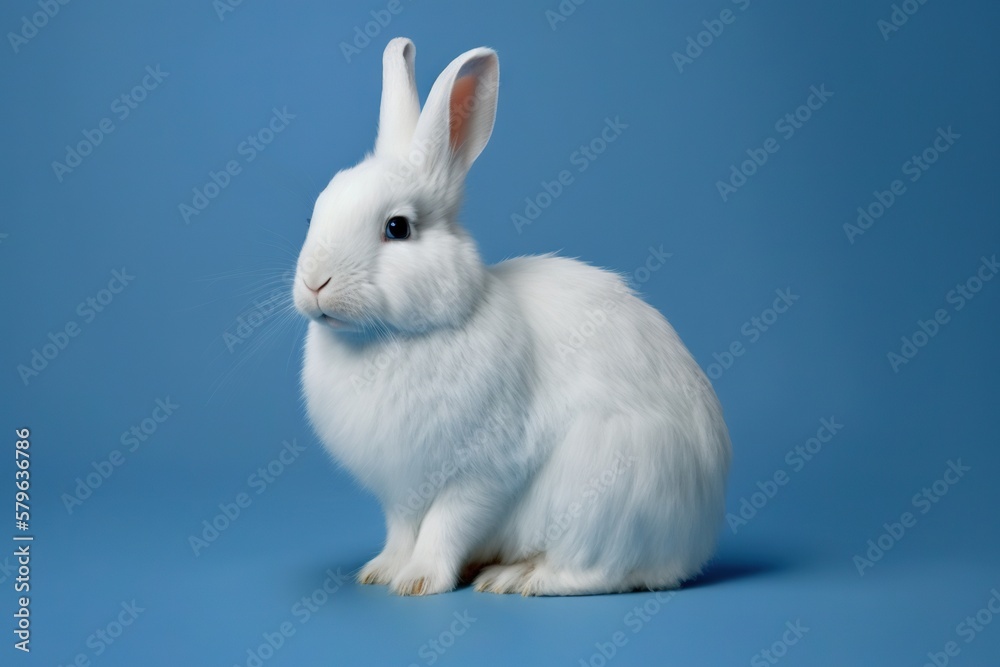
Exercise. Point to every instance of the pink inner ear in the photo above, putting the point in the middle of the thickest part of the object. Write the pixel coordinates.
(462, 105)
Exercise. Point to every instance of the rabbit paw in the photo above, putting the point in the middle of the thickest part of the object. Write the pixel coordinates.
(422, 579)
(511, 578)
(381, 569)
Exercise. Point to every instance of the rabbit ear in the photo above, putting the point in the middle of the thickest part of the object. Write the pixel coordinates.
(457, 119)
(400, 106)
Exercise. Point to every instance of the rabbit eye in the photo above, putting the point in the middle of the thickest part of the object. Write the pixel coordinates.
(397, 228)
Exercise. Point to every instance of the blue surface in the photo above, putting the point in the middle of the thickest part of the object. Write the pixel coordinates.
(168, 334)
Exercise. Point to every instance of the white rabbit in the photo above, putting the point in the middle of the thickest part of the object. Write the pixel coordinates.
(532, 422)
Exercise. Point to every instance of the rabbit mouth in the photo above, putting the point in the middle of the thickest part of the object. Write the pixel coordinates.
(333, 322)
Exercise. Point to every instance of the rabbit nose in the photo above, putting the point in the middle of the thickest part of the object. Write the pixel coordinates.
(315, 290)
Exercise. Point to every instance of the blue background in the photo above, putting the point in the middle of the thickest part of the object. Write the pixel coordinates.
(825, 358)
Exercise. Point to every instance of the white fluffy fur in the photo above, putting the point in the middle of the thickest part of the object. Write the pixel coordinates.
(533, 422)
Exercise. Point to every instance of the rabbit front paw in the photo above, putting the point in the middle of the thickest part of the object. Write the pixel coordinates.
(381, 569)
(418, 578)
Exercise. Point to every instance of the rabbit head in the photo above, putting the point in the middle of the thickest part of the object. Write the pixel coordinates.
(385, 251)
